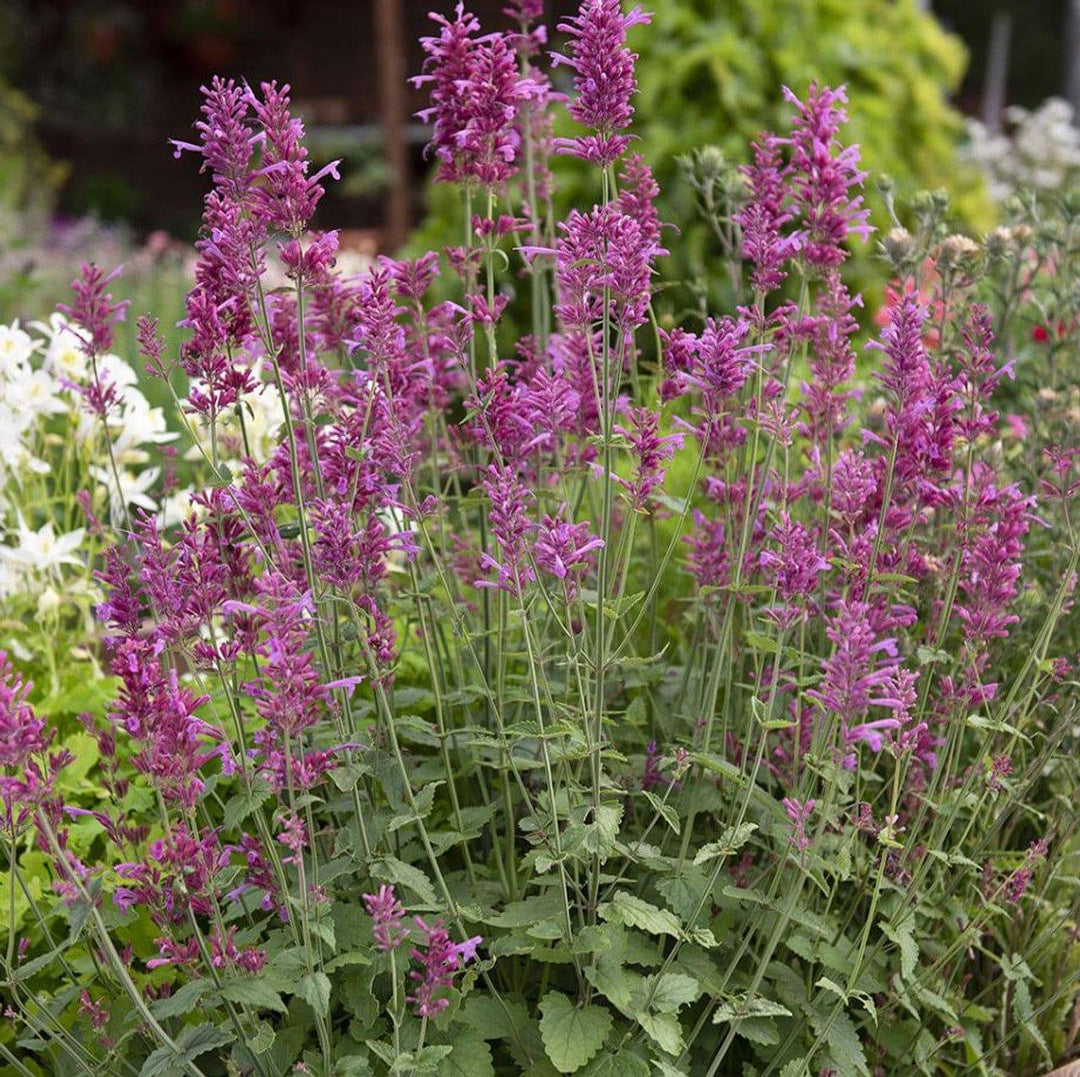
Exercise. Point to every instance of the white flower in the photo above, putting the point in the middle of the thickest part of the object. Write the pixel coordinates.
(133, 488)
(8, 581)
(16, 347)
(64, 357)
(49, 601)
(118, 372)
(142, 425)
(176, 507)
(262, 423)
(43, 550)
(16, 455)
(1038, 149)
(34, 393)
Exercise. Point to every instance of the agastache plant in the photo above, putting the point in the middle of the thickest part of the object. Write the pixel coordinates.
(624, 695)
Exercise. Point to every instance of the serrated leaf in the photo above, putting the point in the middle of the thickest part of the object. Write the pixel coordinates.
(1024, 1013)
(253, 991)
(683, 893)
(671, 991)
(470, 1057)
(759, 1030)
(194, 1040)
(741, 1007)
(598, 835)
(527, 912)
(832, 987)
(842, 1039)
(626, 908)
(243, 804)
(902, 935)
(729, 843)
(618, 1064)
(352, 1066)
(571, 1035)
(664, 811)
(426, 1060)
(182, 1001)
(314, 989)
(353, 957)
(28, 968)
(664, 1030)
(423, 801)
(263, 1039)
(397, 871)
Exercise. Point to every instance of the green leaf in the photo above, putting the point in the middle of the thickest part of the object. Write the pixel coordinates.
(619, 1064)
(29, 968)
(470, 1057)
(759, 1030)
(528, 912)
(664, 1030)
(397, 871)
(252, 991)
(353, 957)
(314, 989)
(671, 991)
(730, 842)
(842, 1038)
(423, 800)
(194, 1040)
(495, 1020)
(902, 935)
(632, 911)
(1024, 1013)
(181, 1001)
(240, 806)
(571, 1035)
(742, 1007)
(684, 893)
(345, 777)
(664, 811)
(760, 642)
(426, 1060)
(615, 982)
(352, 1066)
(830, 985)
(795, 1068)
(263, 1040)
(598, 835)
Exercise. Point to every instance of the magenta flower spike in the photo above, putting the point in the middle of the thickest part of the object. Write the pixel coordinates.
(603, 78)
(387, 914)
(439, 962)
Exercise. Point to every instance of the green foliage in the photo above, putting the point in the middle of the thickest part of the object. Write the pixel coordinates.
(640, 909)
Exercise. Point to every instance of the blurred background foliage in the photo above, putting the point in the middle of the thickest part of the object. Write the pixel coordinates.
(94, 88)
(709, 75)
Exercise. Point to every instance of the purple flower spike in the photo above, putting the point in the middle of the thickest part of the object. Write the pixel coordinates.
(509, 524)
(824, 175)
(438, 966)
(765, 214)
(387, 913)
(604, 78)
(476, 92)
(799, 813)
(565, 549)
(93, 308)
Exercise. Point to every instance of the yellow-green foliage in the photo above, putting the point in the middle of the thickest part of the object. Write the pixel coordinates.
(710, 73)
